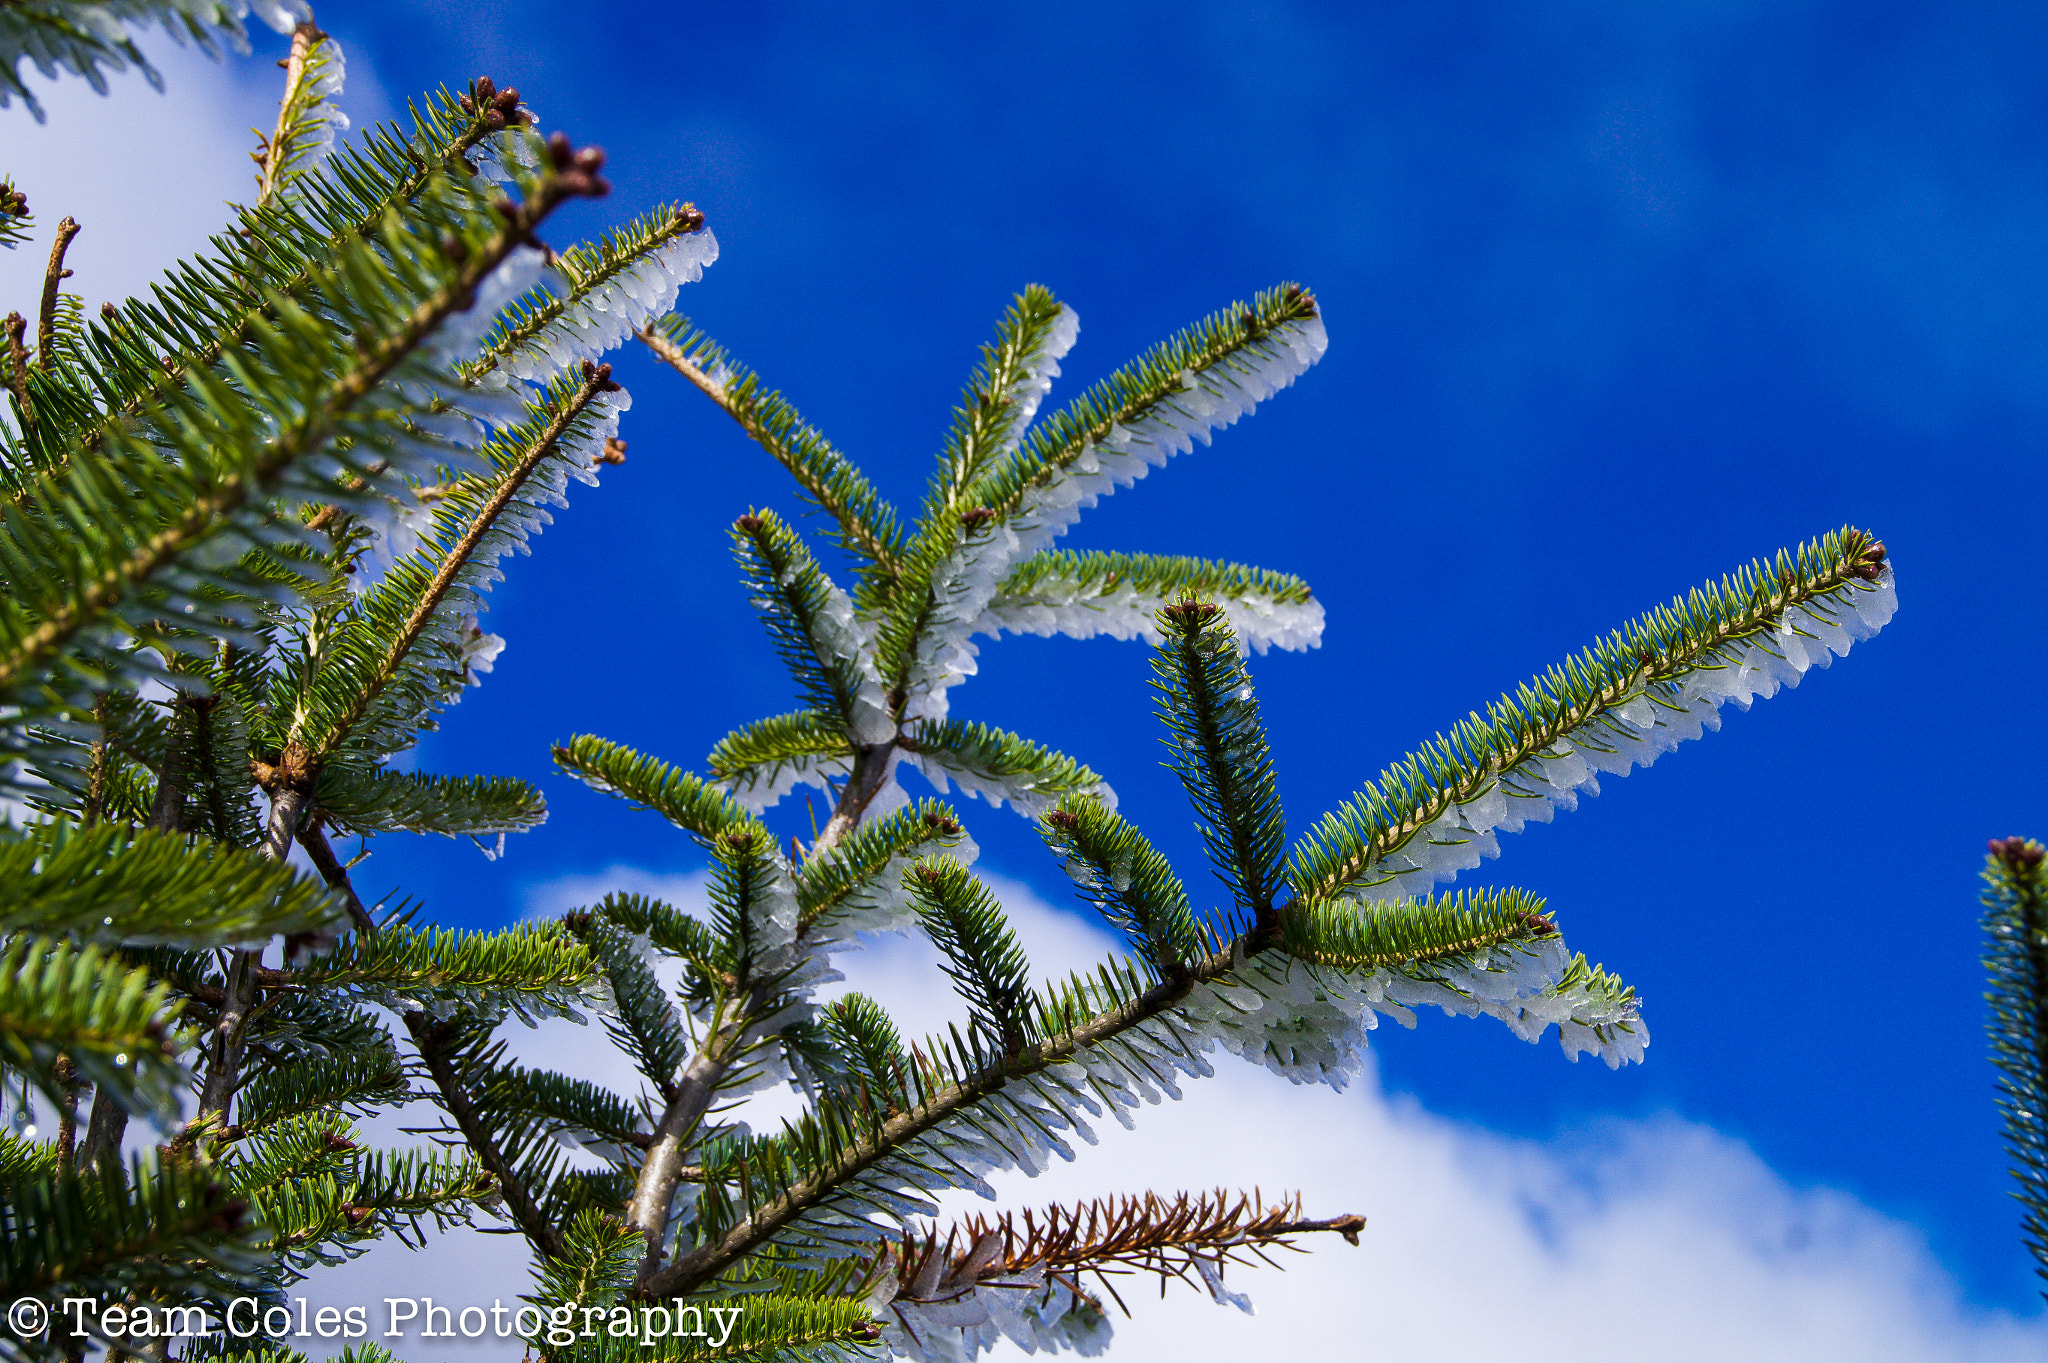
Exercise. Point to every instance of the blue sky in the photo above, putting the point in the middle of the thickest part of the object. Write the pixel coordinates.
(1618, 297)
(1617, 300)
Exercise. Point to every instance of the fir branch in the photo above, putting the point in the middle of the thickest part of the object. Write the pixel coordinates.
(427, 600)
(705, 954)
(1220, 753)
(535, 966)
(442, 1049)
(856, 886)
(1081, 595)
(1205, 376)
(1119, 871)
(697, 807)
(632, 271)
(306, 117)
(1634, 694)
(357, 1080)
(760, 762)
(1170, 1237)
(1015, 373)
(983, 957)
(813, 626)
(207, 310)
(2015, 902)
(170, 1228)
(998, 766)
(206, 496)
(867, 525)
(645, 1025)
(453, 806)
(112, 1022)
(1379, 935)
(111, 884)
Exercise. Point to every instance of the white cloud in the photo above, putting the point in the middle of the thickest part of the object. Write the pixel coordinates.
(1653, 1240)
(148, 176)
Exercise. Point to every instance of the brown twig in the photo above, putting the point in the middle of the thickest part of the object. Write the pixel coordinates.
(46, 319)
(1118, 1235)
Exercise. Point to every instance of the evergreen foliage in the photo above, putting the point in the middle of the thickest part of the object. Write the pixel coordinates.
(2015, 902)
(248, 528)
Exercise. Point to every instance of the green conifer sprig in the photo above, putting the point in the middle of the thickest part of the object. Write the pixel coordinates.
(812, 624)
(592, 1117)
(2015, 899)
(771, 754)
(307, 118)
(1084, 593)
(645, 1024)
(865, 524)
(1233, 341)
(112, 884)
(453, 806)
(857, 879)
(1649, 675)
(533, 971)
(998, 765)
(114, 1024)
(695, 806)
(1002, 396)
(1118, 870)
(206, 308)
(166, 1231)
(352, 1082)
(1220, 753)
(586, 269)
(378, 673)
(1381, 934)
(986, 962)
(121, 540)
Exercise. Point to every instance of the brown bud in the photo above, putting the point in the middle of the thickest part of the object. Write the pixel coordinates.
(468, 104)
(1061, 819)
(2018, 853)
(494, 119)
(974, 518)
(109, 311)
(486, 89)
(614, 451)
(560, 152)
(507, 100)
(357, 1215)
(590, 159)
(232, 1216)
(750, 523)
(337, 1141)
(456, 253)
(1251, 321)
(690, 216)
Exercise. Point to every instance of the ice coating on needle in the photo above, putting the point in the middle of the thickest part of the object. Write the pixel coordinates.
(1124, 612)
(1633, 733)
(603, 314)
(966, 582)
